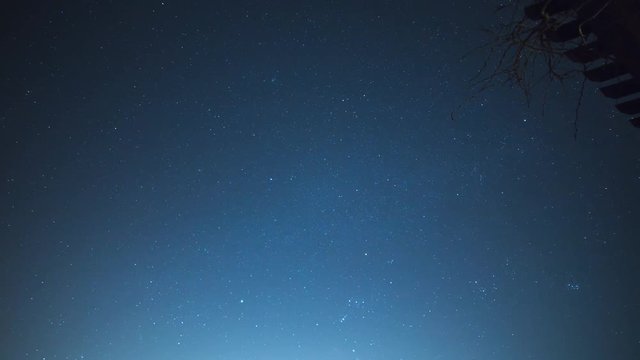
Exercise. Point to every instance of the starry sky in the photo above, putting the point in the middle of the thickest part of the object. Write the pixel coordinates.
(284, 180)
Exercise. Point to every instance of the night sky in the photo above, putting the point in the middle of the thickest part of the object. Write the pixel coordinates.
(284, 180)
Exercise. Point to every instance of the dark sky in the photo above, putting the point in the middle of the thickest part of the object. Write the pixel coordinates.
(283, 180)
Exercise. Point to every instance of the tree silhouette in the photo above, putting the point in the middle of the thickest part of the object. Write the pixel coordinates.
(601, 38)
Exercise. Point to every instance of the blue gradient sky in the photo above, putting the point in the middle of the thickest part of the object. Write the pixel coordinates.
(251, 180)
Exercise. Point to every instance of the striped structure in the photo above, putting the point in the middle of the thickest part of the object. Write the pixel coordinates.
(613, 50)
